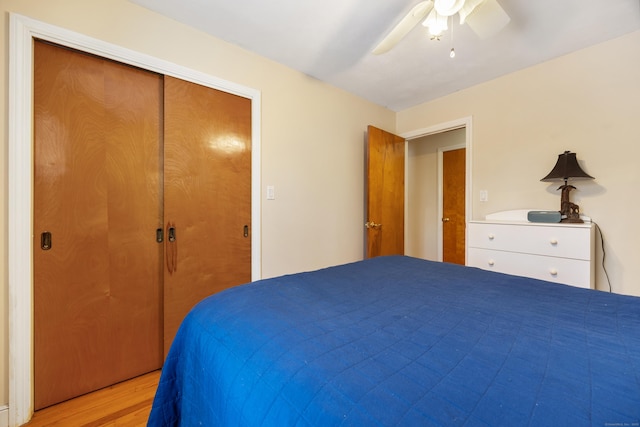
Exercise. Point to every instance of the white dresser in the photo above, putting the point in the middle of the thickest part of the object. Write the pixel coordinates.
(506, 242)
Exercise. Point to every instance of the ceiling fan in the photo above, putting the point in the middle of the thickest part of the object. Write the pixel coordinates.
(484, 17)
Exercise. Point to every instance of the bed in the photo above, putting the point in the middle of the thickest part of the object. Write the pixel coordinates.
(403, 341)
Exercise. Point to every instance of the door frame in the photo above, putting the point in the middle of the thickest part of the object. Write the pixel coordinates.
(22, 31)
(467, 124)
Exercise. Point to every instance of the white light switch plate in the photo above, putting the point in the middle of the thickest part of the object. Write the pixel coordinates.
(271, 192)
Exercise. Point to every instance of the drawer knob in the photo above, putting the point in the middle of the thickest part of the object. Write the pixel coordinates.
(553, 272)
(554, 241)
(491, 237)
(491, 262)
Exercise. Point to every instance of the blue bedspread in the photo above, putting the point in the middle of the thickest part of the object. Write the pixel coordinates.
(402, 341)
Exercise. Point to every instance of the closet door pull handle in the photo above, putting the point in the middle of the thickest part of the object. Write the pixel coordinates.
(45, 240)
(246, 231)
(174, 243)
(159, 235)
(172, 248)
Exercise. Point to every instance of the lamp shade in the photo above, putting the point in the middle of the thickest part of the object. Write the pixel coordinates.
(566, 167)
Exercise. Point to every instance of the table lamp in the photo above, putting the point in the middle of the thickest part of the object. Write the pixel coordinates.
(567, 167)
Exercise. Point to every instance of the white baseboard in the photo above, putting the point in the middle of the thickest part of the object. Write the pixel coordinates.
(4, 416)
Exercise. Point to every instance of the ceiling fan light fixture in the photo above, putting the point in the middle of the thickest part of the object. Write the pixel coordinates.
(484, 17)
(436, 23)
(448, 7)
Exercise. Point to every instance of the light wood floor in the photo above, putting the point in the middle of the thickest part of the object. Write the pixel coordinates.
(124, 404)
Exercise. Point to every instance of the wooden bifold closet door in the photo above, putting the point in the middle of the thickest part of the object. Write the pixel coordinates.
(109, 289)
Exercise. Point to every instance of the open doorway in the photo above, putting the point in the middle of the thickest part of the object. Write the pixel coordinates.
(424, 231)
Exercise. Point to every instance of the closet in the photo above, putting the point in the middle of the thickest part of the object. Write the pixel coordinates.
(142, 207)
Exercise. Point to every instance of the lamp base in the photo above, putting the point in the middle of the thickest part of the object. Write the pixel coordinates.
(570, 211)
(577, 220)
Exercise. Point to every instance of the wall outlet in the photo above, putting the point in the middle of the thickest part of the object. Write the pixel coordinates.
(484, 195)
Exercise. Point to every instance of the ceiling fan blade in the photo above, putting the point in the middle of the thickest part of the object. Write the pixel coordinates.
(467, 9)
(410, 20)
(487, 19)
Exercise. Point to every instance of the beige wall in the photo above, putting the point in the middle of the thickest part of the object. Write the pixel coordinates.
(312, 136)
(587, 102)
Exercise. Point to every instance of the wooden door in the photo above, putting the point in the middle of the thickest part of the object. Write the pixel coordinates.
(207, 169)
(385, 193)
(97, 288)
(453, 206)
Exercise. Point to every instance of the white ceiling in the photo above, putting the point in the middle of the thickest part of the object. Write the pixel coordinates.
(331, 40)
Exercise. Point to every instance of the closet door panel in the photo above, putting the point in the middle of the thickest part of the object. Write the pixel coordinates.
(133, 163)
(207, 172)
(97, 306)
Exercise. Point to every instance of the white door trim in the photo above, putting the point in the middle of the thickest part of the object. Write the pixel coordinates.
(467, 124)
(22, 31)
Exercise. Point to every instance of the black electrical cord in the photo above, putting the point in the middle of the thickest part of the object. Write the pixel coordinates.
(604, 254)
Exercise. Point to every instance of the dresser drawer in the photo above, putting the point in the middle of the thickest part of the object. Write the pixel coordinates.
(554, 241)
(560, 270)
